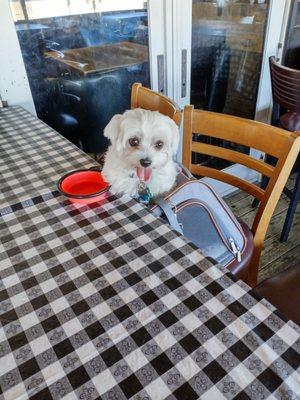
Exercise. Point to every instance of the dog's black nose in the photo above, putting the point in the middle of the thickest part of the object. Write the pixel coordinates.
(145, 162)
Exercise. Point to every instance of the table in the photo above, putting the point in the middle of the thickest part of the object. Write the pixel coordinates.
(32, 157)
(107, 302)
(101, 58)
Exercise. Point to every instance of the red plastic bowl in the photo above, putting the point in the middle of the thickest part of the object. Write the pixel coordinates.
(83, 186)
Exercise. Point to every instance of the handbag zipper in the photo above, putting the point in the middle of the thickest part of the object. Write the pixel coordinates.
(232, 246)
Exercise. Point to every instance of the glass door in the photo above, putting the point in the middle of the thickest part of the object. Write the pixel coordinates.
(291, 56)
(226, 46)
(81, 58)
(227, 52)
(226, 56)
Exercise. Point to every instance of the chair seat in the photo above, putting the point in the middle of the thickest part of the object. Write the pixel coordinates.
(282, 290)
(240, 269)
(290, 121)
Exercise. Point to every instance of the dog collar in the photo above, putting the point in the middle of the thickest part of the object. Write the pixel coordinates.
(144, 193)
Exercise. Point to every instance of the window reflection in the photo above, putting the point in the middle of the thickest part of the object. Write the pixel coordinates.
(227, 48)
(82, 57)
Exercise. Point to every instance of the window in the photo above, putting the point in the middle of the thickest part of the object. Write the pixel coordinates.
(38, 9)
(17, 10)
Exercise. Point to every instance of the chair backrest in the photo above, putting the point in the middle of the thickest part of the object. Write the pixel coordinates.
(281, 144)
(285, 85)
(148, 99)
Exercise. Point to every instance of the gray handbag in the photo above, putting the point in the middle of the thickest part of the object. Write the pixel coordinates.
(195, 210)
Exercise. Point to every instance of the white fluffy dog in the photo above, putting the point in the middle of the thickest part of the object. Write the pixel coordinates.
(143, 144)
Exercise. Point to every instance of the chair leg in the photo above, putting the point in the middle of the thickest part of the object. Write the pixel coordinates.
(264, 182)
(263, 185)
(254, 265)
(291, 211)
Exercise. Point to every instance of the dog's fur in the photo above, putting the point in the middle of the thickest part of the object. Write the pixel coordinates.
(122, 160)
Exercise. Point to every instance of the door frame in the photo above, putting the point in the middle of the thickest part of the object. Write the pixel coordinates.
(182, 38)
(160, 45)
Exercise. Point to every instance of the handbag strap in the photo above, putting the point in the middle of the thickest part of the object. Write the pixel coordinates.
(186, 172)
(170, 214)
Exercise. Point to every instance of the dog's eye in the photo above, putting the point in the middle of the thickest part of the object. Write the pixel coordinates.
(159, 144)
(134, 142)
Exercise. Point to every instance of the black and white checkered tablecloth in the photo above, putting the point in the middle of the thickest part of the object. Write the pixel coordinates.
(107, 302)
(32, 156)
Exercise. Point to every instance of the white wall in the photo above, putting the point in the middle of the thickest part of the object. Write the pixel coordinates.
(14, 86)
(276, 27)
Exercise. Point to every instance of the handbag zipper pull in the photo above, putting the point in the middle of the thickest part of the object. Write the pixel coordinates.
(235, 249)
(174, 207)
(238, 254)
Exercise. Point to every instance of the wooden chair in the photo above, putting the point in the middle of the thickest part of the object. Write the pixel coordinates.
(283, 145)
(148, 99)
(282, 290)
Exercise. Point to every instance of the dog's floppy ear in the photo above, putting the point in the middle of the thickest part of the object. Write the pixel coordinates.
(175, 136)
(112, 131)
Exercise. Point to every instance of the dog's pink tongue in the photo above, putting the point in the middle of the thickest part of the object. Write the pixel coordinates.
(144, 173)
